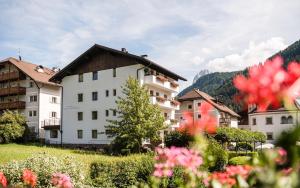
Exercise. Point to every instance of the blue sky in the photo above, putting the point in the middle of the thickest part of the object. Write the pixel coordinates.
(184, 36)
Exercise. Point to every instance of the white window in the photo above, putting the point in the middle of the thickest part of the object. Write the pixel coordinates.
(33, 98)
(269, 136)
(53, 114)
(269, 121)
(253, 121)
(53, 100)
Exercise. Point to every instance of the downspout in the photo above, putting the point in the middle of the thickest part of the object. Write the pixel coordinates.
(61, 116)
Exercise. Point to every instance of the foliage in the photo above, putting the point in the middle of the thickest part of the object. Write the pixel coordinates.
(241, 160)
(138, 118)
(228, 134)
(12, 126)
(44, 166)
(244, 146)
(216, 157)
(121, 172)
(252, 154)
(177, 138)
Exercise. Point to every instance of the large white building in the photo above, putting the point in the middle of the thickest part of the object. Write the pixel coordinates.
(273, 121)
(92, 83)
(25, 87)
(192, 100)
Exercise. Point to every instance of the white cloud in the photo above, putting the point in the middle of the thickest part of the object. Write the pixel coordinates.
(254, 54)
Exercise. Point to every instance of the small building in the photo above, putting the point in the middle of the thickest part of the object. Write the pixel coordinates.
(93, 82)
(273, 121)
(191, 101)
(25, 87)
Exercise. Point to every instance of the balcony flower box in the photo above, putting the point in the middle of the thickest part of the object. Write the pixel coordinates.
(174, 84)
(160, 99)
(175, 103)
(161, 78)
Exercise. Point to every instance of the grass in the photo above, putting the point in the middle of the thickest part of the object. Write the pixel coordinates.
(9, 152)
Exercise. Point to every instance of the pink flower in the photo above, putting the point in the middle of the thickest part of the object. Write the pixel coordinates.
(29, 178)
(61, 181)
(168, 158)
(282, 156)
(3, 181)
(207, 122)
(268, 84)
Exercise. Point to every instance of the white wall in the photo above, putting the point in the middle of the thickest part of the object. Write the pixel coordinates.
(276, 128)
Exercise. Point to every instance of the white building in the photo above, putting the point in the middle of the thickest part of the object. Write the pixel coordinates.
(92, 83)
(191, 101)
(25, 87)
(273, 122)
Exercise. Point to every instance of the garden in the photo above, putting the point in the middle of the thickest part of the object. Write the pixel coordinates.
(198, 154)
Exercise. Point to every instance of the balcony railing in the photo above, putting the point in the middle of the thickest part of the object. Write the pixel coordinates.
(9, 76)
(12, 91)
(163, 102)
(12, 105)
(53, 123)
(225, 121)
(161, 82)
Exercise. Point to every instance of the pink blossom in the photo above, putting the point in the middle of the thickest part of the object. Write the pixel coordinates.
(207, 122)
(29, 178)
(3, 181)
(268, 84)
(168, 158)
(61, 181)
(282, 156)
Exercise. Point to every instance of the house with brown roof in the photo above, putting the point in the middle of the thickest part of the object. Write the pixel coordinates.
(191, 101)
(25, 87)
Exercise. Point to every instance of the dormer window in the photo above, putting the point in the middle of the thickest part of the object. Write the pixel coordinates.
(40, 69)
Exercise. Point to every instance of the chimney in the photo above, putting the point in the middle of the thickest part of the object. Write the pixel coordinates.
(144, 56)
(124, 50)
(20, 58)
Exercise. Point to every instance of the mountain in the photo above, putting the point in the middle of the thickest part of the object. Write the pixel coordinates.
(200, 74)
(220, 86)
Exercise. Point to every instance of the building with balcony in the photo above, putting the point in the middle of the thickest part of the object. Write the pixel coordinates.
(25, 87)
(92, 83)
(191, 101)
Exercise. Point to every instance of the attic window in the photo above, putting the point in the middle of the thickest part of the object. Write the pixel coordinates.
(40, 68)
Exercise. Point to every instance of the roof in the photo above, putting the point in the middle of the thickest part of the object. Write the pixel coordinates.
(197, 94)
(141, 60)
(295, 107)
(30, 70)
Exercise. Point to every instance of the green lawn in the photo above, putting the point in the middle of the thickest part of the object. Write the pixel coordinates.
(9, 152)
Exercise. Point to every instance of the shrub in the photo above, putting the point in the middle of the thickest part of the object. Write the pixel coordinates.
(216, 156)
(121, 172)
(244, 146)
(251, 154)
(178, 139)
(12, 126)
(241, 160)
(44, 166)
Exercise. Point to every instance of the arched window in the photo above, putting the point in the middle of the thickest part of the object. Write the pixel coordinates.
(284, 120)
(290, 120)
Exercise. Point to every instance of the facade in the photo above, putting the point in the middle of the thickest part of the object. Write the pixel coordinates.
(24, 87)
(92, 83)
(191, 101)
(273, 122)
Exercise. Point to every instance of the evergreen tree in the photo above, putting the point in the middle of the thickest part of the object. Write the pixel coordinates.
(138, 119)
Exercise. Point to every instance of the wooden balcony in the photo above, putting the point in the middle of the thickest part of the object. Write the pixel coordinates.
(12, 105)
(9, 76)
(12, 91)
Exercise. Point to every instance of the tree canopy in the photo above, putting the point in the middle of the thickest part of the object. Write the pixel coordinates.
(228, 134)
(137, 120)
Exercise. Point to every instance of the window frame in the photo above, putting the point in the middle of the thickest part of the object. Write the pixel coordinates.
(94, 134)
(80, 77)
(269, 123)
(56, 134)
(94, 115)
(80, 97)
(94, 96)
(79, 116)
(79, 134)
(95, 75)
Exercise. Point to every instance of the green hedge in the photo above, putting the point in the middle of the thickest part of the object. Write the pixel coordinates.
(121, 172)
(232, 154)
(241, 160)
(228, 134)
(178, 139)
(216, 157)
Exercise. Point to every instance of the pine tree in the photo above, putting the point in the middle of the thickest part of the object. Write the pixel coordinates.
(138, 119)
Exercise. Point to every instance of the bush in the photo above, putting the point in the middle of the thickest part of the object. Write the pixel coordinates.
(12, 126)
(241, 160)
(251, 154)
(178, 139)
(244, 146)
(121, 172)
(216, 157)
(44, 166)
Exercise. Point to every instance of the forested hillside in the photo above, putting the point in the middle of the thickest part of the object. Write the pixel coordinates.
(219, 84)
